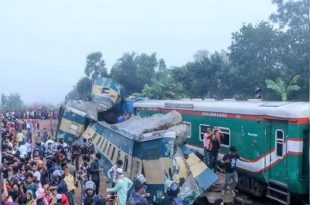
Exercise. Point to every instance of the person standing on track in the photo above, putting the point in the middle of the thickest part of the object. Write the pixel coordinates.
(94, 170)
(231, 175)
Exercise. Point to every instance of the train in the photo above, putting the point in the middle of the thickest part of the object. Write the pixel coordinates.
(273, 136)
(151, 146)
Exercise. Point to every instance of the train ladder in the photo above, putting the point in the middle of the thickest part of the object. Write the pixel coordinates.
(278, 191)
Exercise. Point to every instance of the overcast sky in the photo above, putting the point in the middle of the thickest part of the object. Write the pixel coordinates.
(44, 43)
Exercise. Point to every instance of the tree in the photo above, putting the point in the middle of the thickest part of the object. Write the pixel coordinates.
(207, 77)
(255, 53)
(11, 102)
(163, 86)
(81, 91)
(293, 20)
(134, 71)
(161, 65)
(280, 87)
(95, 66)
(201, 55)
(292, 14)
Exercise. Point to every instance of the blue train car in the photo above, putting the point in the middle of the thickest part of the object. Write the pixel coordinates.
(107, 92)
(154, 154)
(75, 117)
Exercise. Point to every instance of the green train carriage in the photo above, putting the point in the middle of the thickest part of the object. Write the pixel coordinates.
(272, 135)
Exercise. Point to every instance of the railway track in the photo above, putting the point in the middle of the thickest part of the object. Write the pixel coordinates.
(240, 198)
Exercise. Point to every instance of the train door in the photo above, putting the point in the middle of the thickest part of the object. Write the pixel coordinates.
(277, 157)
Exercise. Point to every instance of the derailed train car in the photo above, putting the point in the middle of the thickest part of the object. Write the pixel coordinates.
(74, 118)
(107, 104)
(153, 146)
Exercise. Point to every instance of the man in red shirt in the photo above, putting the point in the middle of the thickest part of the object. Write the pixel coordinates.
(207, 146)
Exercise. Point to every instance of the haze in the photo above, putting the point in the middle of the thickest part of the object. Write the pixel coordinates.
(44, 43)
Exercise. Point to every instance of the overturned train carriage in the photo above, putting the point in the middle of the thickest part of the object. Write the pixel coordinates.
(107, 104)
(149, 146)
(74, 119)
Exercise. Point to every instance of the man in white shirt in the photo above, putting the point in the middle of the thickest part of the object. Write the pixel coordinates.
(36, 174)
(112, 173)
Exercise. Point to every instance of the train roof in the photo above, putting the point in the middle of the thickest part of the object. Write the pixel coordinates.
(84, 108)
(250, 107)
(147, 128)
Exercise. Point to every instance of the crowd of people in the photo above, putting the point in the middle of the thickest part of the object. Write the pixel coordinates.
(35, 169)
(34, 112)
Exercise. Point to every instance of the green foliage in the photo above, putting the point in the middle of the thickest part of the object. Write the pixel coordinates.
(11, 102)
(254, 54)
(207, 77)
(280, 87)
(163, 86)
(134, 71)
(293, 19)
(294, 14)
(95, 66)
(81, 91)
(161, 65)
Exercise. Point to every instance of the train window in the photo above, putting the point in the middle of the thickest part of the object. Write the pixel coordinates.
(225, 140)
(94, 137)
(189, 130)
(98, 141)
(170, 174)
(105, 146)
(74, 128)
(126, 164)
(101, 142)
(105, 90)
(118, 155)
(202, 130)
(279, 142)
(112, 155)
(137, 167)
(109, 149)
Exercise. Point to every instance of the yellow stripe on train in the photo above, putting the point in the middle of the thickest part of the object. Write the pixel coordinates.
(195, 165)
(71, 127)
